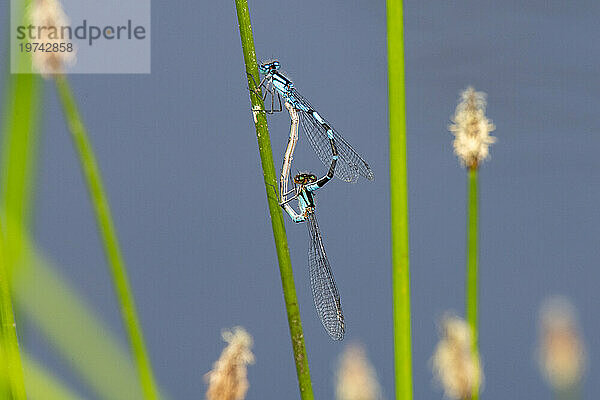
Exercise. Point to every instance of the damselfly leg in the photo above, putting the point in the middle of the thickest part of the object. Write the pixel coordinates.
(268, 89)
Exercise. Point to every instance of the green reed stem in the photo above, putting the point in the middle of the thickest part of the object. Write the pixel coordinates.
(108, 233)
(270, 179)
(399, 202)
(471, 299)
(8, 328)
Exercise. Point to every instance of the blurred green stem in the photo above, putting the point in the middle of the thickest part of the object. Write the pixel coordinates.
(471, 300)
(270, 179)
(399, 202)
(109, 237)
(10, 351)
(19, 149)
(20, 120)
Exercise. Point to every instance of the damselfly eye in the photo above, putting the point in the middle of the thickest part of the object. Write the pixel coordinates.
(268, 67)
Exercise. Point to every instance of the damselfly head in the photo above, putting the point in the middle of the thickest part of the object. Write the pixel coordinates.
(269, 67)
(304, 179)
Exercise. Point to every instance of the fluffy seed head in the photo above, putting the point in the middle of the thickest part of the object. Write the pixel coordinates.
(49, 14)
(561, 350)
(356, 378)
(471, 129)
(228, 379)
(454, 364)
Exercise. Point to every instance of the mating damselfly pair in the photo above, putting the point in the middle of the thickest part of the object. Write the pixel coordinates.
(343, 161)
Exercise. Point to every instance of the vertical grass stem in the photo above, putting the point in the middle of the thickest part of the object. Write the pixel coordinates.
(472, 298)
(277, 224)
(11, 357)
(399, 202)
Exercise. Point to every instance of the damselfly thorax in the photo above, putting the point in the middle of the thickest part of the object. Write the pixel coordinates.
(306, 201)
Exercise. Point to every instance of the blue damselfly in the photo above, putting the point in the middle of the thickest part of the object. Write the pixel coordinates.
(318, 130)
(325, 293)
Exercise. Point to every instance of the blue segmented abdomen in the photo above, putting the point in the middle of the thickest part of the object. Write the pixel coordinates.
(322, 122)
(329, 131)
(312, 187)
(318, 117)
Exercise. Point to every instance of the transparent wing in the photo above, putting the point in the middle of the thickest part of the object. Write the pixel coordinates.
(325, 293)
(350, 165)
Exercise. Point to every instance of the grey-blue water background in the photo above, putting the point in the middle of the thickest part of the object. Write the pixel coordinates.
(179, 156)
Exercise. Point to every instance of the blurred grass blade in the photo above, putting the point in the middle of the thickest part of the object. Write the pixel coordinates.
(43, 385)
(399, 202)
(108, 234)
(19, 146)
(270, 179)
(75, 331)
(19, 139)
(20, 127)
(11, 358)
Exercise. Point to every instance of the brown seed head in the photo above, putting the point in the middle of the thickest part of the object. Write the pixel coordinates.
(48, 18)
(471, 129)
(228, 379)
(356, 378)
(454, 364)
(561, 350)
